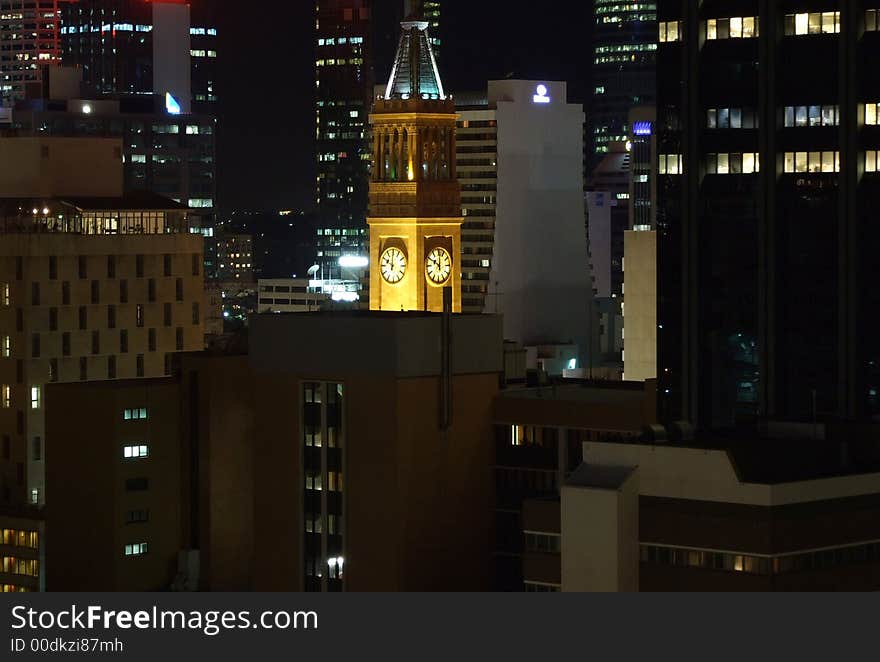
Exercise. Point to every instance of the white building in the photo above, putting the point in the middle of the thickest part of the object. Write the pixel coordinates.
(524, 245)
(302, 295)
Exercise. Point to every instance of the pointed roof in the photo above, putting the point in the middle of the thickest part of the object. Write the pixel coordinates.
(415, 74)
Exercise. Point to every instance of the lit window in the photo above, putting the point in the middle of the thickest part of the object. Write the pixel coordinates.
(6, 396)
(7, 347)
(135, 414)
(135, 452)
(5, 293)
(137, 549)
(872, 117)
(35, 397)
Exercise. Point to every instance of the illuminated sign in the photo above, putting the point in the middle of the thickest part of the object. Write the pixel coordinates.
(642, 128)
(541, 94)
(171, 104)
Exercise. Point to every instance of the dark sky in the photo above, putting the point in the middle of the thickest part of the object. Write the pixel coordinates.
(266, 142)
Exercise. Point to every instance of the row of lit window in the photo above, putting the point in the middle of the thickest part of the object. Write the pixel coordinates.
(761, 565)
(136, 549)
(12, 588)
(338, 63)
(731, 118)
(333, 41)
(738, 27)
(20, 538)
(12, 565)
(828, 162)
(138, 414)
(314, 481)
(202, 53)
(670, 164)
(136, 452)
(812, 23)
(316, 524)
(812, 115)
(733, 164)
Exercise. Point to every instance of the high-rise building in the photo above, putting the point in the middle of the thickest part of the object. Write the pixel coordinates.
(136, 47)
(415, 198)
(623, 71)
(29, 38)
(93, 286)
(768, 191)
(527, 133)
(344, 78)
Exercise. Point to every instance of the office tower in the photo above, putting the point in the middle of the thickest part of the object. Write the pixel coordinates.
(344, 80)
(415, 198)
(623, 72)
(95, 285)
(639, 306)
(29, 39)
(135, 47)
(172, 155)
(528, 133)
(768, 308)
(336, 414)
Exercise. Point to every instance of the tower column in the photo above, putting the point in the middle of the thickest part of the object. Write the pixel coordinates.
(411, 153)
(453, 166)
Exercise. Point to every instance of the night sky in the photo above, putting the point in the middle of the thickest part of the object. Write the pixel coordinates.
(266, 143)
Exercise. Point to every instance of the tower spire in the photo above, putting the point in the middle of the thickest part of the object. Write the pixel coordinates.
(415, 74)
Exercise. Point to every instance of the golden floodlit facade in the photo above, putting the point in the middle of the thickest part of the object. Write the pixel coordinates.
(415, 198)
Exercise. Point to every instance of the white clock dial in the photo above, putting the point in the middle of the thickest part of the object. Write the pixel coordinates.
(393, 265)
(438, 266)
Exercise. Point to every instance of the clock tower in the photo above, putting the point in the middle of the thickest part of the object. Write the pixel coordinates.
(415, 199)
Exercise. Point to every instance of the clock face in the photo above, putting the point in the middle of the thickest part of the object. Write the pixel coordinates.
(393, 265)
(438, 266)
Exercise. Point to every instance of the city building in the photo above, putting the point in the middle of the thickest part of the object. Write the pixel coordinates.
(526, 133)
(134, 47)
(235, 258)
(344, 79)
(623, 71)
(29, 38)
(173, 155)
(415, 198)
(639, 307)
(22, 548)
(766, 232)
(725, 514)
(340, 415)
(512, 130)
(300, 295)
(539, 436)
(96, 286)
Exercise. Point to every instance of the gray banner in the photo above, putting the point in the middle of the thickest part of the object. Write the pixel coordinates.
(531, 627)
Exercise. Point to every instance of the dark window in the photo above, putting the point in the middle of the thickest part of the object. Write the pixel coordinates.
(83, 268)
(53, 267)
(111, 367)
(19, 421)
(140, 365)
(83, 368)
(19, 319)
(83, 318)
(137, 516)
(37, 449)
(179, 288)
(35, 346)
(53, 370)
(151, 342)
(196, 264)
(96, 292)
(123, 291)
(168, 314)
(19, 371)
(19, 268)
(151, 290)
(111, 266)
(7, 447)
(139, 316)
(139, 266)
(96, 342)
(196, 317)
(65, 293)
(137, 484)
(35, 294)
(53, 319)
(179, 336)
(123, 341)
(111, 317)
(65, 344)
(167, 264)
(168, 363)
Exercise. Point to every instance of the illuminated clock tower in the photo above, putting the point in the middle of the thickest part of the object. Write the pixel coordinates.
(415, 199)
